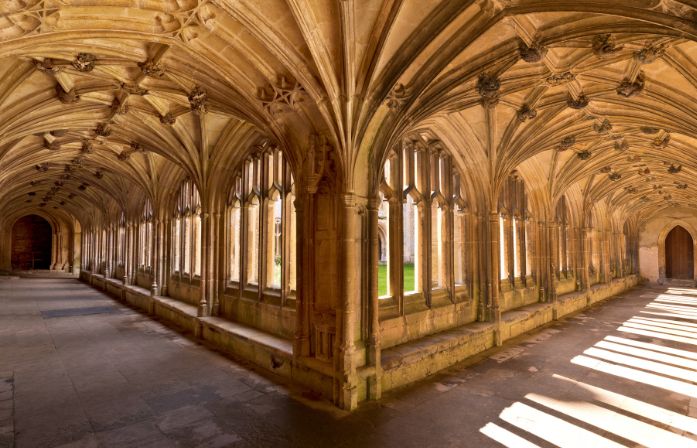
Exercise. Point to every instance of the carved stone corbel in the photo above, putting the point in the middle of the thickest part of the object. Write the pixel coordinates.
(316, 162)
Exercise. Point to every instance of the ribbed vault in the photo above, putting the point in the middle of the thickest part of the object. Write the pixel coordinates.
(101, 99)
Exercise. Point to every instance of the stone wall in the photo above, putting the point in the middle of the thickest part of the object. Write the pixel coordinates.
(652, 235)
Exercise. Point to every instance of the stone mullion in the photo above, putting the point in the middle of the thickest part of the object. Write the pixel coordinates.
(494, 283)
(520, 232)
(125, 256)
(397, 249)
(542, 260)
(155, 256)
(264, 242)
(426, 234)
(508, 241)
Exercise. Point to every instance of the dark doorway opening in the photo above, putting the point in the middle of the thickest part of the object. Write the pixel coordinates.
(31, 243)
(679, 254)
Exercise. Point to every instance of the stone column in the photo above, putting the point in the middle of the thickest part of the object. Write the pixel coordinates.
(373, 351)
(493, 283)
(351, 244)
(206, 250)
(303, 213)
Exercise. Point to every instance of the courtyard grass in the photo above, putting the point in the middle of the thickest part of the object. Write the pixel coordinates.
(408, 273)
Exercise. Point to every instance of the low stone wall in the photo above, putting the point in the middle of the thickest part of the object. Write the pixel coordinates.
(417, 359)
(264, 350)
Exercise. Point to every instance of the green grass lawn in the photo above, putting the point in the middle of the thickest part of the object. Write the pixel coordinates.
(382, 278)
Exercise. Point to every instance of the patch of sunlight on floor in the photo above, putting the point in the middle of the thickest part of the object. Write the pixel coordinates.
(506, 437)
(654, 347)
(672, 325)
(615, 423)
(657, 335)
(648, 354)
(643, 364)
(637, 407)
(553, 429)
(669, 318)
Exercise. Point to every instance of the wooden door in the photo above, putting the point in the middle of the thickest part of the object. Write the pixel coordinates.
(679, 255)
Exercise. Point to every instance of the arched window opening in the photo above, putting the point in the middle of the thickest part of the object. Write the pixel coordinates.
(563, 238)
(121, 243)
(513, 237)
(186, 239)
(422, 227)
(263, 224)
(145, 236)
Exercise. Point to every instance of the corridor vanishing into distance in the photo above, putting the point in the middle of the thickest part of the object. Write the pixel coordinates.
(80, 369)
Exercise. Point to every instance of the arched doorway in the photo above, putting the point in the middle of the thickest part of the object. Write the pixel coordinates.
(679, 254)
(31, 243)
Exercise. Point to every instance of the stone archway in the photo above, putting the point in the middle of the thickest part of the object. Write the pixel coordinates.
(32, 243)
(667, 231)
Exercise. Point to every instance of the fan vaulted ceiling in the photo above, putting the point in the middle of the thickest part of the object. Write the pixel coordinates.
(102, 98)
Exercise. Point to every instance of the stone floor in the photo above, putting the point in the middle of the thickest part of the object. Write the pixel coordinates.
(78, 369)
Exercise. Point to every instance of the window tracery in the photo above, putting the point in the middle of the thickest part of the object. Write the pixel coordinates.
(262, 223)
(186, 237)
(422, 219)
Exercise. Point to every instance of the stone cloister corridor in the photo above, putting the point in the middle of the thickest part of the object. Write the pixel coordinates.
(320, 212)
(83, 370)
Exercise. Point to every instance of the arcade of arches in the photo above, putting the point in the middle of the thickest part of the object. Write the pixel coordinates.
(320, 187)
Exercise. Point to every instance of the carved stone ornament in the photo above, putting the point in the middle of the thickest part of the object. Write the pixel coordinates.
(152, 69)
(577, 103)
(649, 130)
(566, 142)
(558, 79)
(87, 147)
(282, 97)
(168, 119)
(604, 45)
(602, 128)
(584, 155)
(51, 145)
(197, 99)
(48, 65)
(316, 164)
(534, 53)
(69, 97)
(397, 97)
(629, 88)
(674, 169)
(661, 141)
(84, 62)
(488, 88)
(621, 145)
(133, 89)
(649, 54)
(103, 130)
(525, 113)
